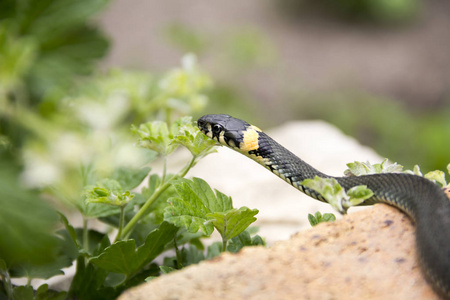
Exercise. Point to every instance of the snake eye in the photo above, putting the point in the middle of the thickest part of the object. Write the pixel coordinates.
(216, 129)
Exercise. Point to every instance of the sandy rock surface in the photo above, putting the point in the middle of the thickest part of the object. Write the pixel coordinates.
(366, 255)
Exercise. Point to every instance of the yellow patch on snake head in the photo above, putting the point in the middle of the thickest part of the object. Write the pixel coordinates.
(250, 139)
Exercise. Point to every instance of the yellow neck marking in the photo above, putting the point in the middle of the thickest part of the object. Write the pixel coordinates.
(250, 139)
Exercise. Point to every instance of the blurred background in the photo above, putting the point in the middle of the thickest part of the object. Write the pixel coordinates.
(75, 74)
(379, 70)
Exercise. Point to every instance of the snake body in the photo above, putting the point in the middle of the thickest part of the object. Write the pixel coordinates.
(422, 200)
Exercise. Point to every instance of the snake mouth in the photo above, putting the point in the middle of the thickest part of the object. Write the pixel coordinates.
(203, 126)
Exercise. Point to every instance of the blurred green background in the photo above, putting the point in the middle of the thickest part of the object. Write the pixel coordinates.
(75, 74)
(379, 70)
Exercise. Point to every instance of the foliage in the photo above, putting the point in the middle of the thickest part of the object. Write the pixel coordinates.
(335, 194)
(67, 136)
(198, 208)
(78, 150)
(374, 11)
(319, 218)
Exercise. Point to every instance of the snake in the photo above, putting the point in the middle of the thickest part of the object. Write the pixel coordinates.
(422, 200)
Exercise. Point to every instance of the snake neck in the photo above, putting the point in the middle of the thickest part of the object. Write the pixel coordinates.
(284, 164)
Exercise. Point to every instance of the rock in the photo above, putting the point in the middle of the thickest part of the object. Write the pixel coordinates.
(369, 254)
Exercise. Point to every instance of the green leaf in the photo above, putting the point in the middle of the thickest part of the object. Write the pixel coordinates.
(65, 42)
(26, 221)
(129, 178)
(108, 191)
(158, 137)
(319, 218)
(88, 283)
(335, 194)
(195, 141)
(414, 171)
(123, 257)
(244, 240)
(214, 250)
(195, 201)
(358, 194)
(359, 168)
(232, 222)
(69, 228)
(191, 255)
(23, 293)
(166, 270)
(437, 177)
(330, 190)
(43, 293)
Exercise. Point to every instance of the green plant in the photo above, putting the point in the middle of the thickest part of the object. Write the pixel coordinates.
(81, 154)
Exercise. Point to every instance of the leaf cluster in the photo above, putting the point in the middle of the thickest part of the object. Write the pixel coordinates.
(359, 168)
(319, 218)
(197, 207)
(335, 194)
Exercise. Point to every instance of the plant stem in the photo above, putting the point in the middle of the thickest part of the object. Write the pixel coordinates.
(85, 235)
(177, 253)
(145, 208)
(163, 178)
(224, 239)
(6, 279)
(121, 221)
(224, 244)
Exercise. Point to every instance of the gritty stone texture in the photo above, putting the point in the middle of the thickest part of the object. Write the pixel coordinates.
(366, 255)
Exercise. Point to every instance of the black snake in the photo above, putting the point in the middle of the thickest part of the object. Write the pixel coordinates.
(422, 200)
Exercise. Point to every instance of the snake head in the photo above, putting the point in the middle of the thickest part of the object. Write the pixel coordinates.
(225, 129)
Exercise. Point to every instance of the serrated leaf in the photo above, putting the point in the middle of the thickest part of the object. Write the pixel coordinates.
(195, 141)
(199, 208)
(155, 136)
(330, 190)
(232, 222)
(437, 177)
(195, 200)
(123, 257)
(360, 168)
(107, 191)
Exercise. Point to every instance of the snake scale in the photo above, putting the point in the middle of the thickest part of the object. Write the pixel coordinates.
(422, 200)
